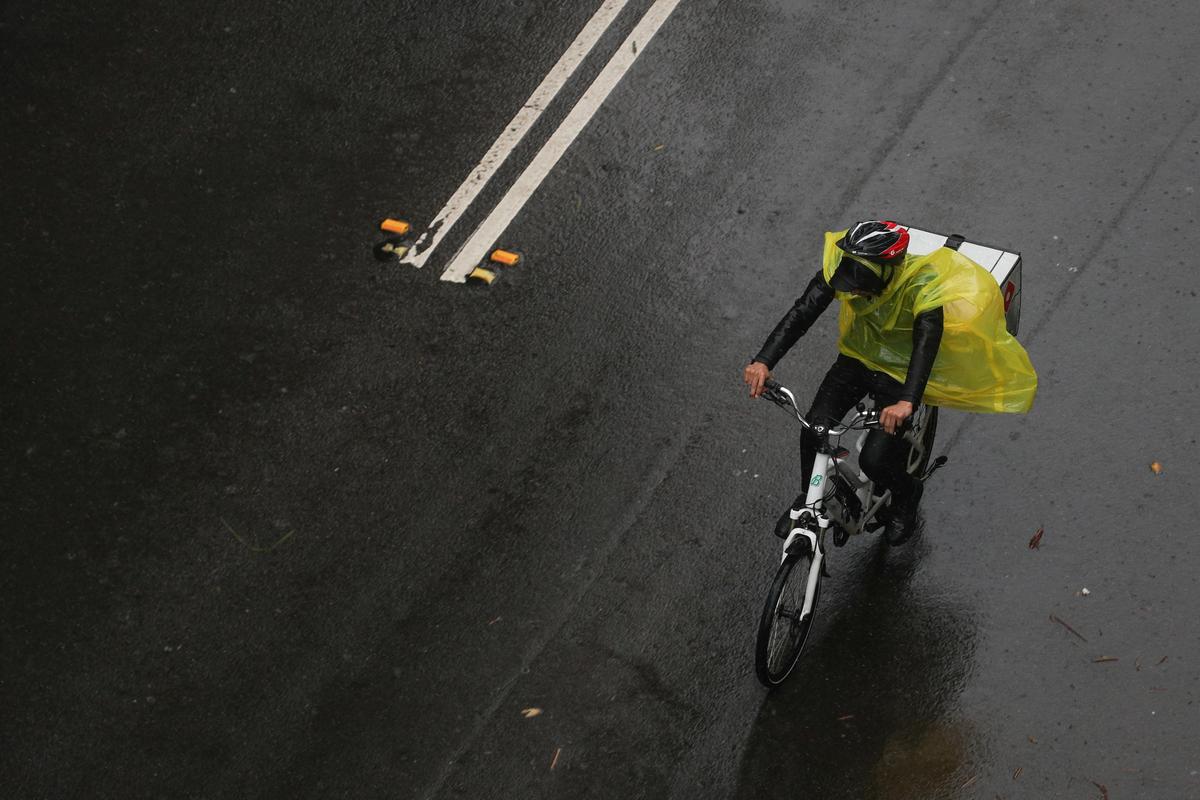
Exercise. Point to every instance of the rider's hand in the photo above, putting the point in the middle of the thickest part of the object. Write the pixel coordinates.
(755, 376)
(894, 415)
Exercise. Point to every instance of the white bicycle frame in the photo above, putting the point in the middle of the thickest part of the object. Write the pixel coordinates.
(815, 510)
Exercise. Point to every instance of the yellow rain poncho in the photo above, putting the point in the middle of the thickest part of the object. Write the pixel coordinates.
(979, 366)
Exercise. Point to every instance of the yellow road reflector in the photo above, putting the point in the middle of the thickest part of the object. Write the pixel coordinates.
(506, 257)
(485, 275)
(391, 248)
(395, 226)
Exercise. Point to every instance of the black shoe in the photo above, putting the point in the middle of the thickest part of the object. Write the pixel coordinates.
(902, 519)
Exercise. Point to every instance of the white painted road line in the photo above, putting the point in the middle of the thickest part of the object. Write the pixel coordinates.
(477, 246)
(570, 60)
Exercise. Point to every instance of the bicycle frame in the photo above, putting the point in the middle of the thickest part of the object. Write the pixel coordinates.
(839, 496)
(817, 516)
(811, 522)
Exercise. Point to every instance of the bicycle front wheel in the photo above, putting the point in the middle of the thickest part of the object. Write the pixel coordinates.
(783, 628)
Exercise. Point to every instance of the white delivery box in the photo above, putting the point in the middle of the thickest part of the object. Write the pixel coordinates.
(1004, 265)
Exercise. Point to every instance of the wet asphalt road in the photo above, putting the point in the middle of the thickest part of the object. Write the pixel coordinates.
(280, 521)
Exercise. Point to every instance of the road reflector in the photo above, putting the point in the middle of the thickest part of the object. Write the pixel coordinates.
(390, 248)
(395, 226)
(485, 275)
(506, 257)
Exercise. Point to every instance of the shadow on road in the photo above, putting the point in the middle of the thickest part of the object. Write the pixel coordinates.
(871, 711)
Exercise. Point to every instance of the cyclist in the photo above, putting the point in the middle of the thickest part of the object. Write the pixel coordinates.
(912, 329)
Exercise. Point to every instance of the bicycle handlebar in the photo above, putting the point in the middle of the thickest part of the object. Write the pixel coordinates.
(782, 396)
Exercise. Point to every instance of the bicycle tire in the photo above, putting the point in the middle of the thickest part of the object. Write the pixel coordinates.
(771, 664)
(927, 437)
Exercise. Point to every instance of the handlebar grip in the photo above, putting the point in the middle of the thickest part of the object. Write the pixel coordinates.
(771, 385)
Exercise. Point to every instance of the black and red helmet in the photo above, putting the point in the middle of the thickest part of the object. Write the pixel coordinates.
(870, 246)
(875, 240)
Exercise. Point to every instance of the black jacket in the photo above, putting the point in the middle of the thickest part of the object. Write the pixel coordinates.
(927, 336)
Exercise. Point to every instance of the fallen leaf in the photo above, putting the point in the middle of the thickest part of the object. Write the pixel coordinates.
(1104, 659)
(1036, 541)
(530, 713)
(1031, 739)
(1161, 660)
(1156, 468)
(555, 760)
(1103, 789)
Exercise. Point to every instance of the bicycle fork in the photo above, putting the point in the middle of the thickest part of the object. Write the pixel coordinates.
(811, 535)
(815, 570)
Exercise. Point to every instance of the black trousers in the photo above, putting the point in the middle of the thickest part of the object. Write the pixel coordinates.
(883, 455)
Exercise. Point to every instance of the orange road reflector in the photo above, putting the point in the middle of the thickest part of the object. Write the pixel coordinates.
(395, 226)
(485, 275)
(506, 257)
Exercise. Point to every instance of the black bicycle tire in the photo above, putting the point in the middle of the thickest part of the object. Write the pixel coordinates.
(763, 641)
(928, 434)
(927, 437)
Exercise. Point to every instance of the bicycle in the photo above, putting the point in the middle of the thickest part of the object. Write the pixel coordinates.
(839, 499)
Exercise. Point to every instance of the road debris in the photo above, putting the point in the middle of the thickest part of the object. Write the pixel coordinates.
(1137, 664)
(497, 619)
(1017, 772)
(1103, 789)
(1068, 627)
(530, 713)
(845, 717)
(1156, 467)
(1036, 541)
(970, 781)
(1084, 591)
(554, 761)
(1032, 739)
(1104, 659)
(1161, 660)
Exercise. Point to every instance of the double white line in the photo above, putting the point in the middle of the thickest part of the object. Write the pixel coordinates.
(502, 215)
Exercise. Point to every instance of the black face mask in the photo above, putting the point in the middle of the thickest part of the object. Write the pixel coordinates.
(852, 276)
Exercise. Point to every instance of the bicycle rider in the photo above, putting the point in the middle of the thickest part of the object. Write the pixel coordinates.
(883, 292)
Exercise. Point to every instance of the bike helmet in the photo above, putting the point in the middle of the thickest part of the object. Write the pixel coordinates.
(869, 247)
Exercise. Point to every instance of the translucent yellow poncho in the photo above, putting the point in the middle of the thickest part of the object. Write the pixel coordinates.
(979, 366)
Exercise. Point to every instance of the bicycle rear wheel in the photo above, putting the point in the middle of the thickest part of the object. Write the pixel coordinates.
(782, 629)
(918, 459)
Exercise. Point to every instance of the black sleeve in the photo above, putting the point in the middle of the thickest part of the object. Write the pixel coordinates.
(796, 322)
(927, 336)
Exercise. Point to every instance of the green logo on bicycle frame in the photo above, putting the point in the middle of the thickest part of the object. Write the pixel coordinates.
(816, 480)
